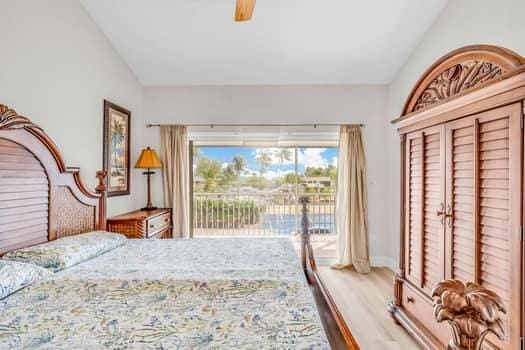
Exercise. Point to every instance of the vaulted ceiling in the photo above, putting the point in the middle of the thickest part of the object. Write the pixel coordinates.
(197, 42)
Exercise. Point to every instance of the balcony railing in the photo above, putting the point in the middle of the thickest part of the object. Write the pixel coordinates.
(255, 213)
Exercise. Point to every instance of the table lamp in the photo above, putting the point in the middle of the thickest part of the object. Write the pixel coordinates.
(148, 159)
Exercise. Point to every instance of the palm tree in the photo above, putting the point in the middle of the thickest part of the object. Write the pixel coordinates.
(239, 166)
(283, 154)
(264, 160)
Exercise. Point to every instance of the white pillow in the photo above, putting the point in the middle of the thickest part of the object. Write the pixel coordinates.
(17, 275)
(68, 251)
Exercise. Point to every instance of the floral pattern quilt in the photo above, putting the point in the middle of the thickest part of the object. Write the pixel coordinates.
(192, 294)
(199, 258)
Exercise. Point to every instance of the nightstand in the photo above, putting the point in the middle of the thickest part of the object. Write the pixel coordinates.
(143, 224)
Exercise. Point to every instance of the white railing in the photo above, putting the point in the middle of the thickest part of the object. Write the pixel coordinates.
(260, 213)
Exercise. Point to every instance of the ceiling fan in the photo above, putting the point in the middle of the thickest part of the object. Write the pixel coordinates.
(244, 10)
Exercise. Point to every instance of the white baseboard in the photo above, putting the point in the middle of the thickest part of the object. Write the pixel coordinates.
(383, 261)
(324, 261)
(377, 261)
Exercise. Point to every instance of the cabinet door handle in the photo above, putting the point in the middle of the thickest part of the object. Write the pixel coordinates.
(441, 213)
(449, 215)
(410, 300)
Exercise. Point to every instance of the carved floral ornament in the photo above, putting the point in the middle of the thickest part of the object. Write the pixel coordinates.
(9, 119)
(471, 310)
(458, 78)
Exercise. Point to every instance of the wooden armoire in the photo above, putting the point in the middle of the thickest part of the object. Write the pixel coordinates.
(462, 189)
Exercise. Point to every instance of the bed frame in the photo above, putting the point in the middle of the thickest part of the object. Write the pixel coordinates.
(41, 200)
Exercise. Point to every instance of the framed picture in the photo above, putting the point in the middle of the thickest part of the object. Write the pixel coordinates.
(116, 149)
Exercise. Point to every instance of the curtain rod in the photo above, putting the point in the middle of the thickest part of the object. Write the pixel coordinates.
(212, 125)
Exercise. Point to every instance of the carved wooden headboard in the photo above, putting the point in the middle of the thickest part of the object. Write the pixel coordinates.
(459, 71)
(40, 198)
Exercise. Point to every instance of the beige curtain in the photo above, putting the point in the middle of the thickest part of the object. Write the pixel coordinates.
(351, 202)
(175, 176)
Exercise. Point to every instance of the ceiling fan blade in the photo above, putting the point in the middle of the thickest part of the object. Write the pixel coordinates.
(244, 10)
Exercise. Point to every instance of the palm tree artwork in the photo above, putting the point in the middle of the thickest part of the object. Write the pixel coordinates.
(118, 149)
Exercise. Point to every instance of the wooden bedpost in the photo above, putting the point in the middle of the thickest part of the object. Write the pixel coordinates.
(101, 190)
(305, 234)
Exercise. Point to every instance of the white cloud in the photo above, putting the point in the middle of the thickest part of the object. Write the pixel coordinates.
(334, 161)
(312, 157)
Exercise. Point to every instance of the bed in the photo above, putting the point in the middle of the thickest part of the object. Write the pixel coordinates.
(224, 293)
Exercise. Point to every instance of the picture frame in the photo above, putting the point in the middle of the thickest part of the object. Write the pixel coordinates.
(116, 149)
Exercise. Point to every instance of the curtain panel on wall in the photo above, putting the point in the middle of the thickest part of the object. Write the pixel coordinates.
(175, 176)
(352, 202)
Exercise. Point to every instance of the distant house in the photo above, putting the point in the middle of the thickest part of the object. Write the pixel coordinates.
(315, 182)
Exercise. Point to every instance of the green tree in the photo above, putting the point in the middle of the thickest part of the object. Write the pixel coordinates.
(209, 170)
(258, 182)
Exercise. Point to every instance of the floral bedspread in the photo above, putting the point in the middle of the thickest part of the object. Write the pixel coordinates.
(200, 258)
(202, 298)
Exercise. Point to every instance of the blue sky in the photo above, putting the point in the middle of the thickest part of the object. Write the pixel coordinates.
(317, 157)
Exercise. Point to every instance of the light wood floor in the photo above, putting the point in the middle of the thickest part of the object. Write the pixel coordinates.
(362, 300)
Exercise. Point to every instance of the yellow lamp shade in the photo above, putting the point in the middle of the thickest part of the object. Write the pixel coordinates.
(148, 159)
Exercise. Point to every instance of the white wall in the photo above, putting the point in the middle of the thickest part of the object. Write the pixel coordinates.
(283, 104)
(462, 22)
(57, 67)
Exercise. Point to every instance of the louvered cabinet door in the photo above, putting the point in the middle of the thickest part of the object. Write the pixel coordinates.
(424, 234)
(462, 215)
(484, 194)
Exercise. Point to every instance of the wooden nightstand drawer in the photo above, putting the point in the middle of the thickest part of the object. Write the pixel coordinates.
(161, 235)
(142, 224)
(157, 224)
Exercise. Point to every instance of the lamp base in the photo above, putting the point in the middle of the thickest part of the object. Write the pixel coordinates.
(148, 208)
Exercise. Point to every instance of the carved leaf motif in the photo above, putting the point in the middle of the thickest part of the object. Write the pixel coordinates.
(458, 78)
(9, 119)
(472, 311)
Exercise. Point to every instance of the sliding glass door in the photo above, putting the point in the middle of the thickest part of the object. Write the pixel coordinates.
(255, 190)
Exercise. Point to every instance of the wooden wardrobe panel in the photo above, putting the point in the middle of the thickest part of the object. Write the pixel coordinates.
(484, 192)
(413, 205)
(433, 202)
(461, 198)
(498, 236)
(425, 198)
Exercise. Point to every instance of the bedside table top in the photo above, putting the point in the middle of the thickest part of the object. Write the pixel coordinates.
(139, 214)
